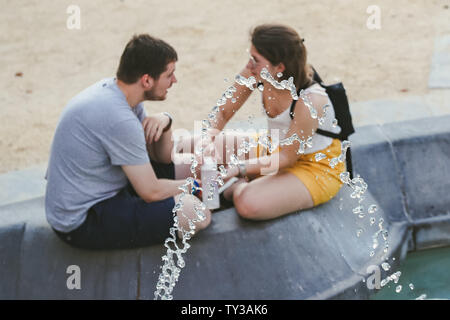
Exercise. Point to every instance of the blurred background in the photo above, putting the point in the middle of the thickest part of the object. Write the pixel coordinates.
(44, 63)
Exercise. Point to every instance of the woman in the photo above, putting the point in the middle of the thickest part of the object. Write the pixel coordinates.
(293, 181)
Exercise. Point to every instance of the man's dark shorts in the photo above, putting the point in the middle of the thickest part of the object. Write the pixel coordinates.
(125, 220)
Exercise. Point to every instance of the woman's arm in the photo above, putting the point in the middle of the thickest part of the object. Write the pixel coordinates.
(227, 111)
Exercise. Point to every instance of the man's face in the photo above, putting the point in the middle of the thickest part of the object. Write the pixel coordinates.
(161, 86)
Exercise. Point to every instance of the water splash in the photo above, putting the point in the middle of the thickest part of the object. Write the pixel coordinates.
(386, 266)
(372, 209)
(248, 82)
(319, 156)
(173, 260)
(283, 85)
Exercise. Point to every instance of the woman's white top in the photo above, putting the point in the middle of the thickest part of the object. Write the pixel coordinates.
(279, 125)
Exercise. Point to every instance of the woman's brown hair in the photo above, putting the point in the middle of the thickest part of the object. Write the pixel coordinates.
(282, 44)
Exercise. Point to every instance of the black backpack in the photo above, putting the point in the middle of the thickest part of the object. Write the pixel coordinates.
(338, 97)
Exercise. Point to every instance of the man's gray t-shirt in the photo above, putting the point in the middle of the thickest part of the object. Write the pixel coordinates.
(97, 133)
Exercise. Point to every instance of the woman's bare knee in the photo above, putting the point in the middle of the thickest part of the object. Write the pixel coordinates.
(245, 203)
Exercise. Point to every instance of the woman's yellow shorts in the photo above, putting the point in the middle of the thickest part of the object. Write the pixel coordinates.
(320, 179)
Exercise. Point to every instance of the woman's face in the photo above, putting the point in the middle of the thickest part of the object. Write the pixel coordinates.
(257, 62)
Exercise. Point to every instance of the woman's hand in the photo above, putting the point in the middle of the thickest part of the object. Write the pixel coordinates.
(205, 148)
(232, 171)
(154, 126)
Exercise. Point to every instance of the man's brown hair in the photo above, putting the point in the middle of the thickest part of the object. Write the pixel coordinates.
(144, 54)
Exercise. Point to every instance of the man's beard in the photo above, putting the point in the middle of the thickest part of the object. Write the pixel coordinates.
(151, 95)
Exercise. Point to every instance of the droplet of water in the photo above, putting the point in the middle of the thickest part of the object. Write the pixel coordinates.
(411, 286)
(358, 233)
(260, 87)
(320, 156)
(345, 145)
(279, 74)
(386, 266)
(181, 262)
(334, 123)
(372, 209)
(309, 142)
(372, 220)
(334, 162)
(345, 177)
(375, 243)
(358, 209)
(398, 288)
(215, 109)
(234, 160)
(223, 171)
(178, 206)
(422, 297)
(396, 276)
(230, 91)
(219, 180)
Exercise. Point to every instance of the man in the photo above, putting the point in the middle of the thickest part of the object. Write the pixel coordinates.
(110, 180)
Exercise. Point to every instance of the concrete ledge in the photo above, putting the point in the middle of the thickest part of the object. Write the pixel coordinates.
(313, 254)
(440, 63)
(22, 185)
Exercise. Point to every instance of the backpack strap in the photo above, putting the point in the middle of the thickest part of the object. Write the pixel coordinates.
(330, 134)
(348, 156)
(291, 111)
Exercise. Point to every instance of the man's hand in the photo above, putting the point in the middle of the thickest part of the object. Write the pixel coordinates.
(154, 126)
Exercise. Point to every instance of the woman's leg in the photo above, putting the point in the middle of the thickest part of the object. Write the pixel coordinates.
(270, 197)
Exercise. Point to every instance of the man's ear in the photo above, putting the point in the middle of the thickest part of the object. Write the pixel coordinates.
(147, 81)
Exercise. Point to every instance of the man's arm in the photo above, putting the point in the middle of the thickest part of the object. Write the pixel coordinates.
(148, 186)
(163, 147)
(159, 142)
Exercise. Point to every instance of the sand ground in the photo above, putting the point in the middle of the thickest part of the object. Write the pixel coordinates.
(44, 63)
